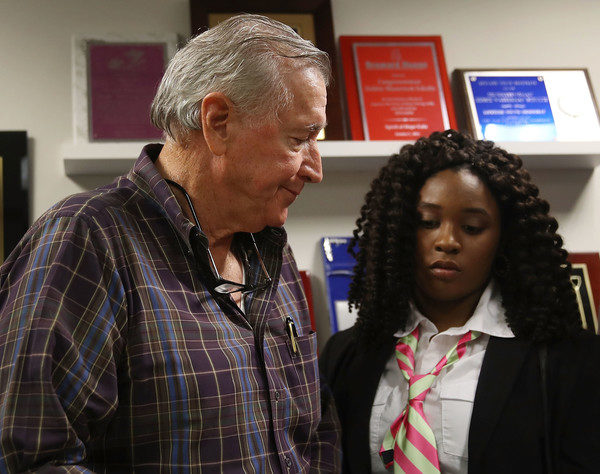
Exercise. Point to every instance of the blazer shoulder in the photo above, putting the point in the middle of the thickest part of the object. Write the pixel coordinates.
(583, 347)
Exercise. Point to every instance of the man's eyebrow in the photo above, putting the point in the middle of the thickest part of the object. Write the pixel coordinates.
(314, 127)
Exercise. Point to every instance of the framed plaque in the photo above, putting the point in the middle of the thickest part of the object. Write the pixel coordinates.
(585, 276)
(14, 185)
(115, 80)
(312, 20)
(528, 104)
(396, 86)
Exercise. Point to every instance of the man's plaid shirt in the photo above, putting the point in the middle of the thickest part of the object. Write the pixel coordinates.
(114, 356)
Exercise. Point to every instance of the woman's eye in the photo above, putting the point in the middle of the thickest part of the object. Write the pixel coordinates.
(428, 223)
(471, 229)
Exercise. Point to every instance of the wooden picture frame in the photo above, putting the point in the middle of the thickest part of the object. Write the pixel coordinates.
(585, 276)
(397, 87)
(294, 13)
(520, 105)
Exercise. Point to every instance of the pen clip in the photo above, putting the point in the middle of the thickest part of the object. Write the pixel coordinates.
(290, 327)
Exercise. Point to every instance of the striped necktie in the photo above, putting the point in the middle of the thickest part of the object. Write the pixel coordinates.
(409, 444)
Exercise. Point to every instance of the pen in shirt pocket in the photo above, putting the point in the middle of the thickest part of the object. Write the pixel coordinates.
(290, 328)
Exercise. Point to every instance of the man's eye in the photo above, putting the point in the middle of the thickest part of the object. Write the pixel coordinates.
(299, 141)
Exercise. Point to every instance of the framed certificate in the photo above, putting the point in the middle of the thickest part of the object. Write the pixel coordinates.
(14, 185)
(115, 79)
(585, 276)
(310, 19)
(396, 86)
(528, 104)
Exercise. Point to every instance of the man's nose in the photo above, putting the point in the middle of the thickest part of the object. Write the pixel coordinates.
(311, 170)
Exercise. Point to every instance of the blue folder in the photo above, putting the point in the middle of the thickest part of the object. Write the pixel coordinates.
(339, 266)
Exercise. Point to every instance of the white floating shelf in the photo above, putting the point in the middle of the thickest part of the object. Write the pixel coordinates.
(117, 158)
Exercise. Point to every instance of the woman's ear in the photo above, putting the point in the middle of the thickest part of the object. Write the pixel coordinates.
(215, 115)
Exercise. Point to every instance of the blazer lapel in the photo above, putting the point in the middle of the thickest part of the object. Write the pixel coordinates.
(501, 364)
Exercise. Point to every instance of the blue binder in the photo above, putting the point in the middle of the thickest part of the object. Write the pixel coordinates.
(338, 265)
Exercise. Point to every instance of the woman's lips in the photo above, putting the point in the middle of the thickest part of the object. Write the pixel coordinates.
(445, 269)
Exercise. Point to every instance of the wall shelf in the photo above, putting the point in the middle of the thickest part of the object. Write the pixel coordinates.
(117, 158)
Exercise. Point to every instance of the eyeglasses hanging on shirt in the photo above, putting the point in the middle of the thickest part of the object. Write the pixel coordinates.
(220, 284)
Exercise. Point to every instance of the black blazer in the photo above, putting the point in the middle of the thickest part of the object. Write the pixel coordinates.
(507, 430)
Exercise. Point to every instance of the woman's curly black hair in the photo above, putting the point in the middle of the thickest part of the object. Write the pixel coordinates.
(535, 284)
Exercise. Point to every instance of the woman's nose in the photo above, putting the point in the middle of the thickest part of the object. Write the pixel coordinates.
(447, 240)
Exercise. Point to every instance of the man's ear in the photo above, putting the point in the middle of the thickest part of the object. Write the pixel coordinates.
(216, 114)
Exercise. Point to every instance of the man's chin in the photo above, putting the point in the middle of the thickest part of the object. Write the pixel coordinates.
(278, 220)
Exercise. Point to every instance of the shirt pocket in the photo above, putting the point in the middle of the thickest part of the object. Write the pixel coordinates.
(457, 407)
(298, 373)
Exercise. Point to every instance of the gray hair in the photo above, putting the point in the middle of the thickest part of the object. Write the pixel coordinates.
(244, 57)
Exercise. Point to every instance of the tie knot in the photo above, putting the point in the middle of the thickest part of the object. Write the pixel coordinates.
(419, 385)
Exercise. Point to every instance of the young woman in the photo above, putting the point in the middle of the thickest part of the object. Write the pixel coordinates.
(468, 354)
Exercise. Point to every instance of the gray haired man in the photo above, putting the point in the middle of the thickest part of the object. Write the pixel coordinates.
(158, 324)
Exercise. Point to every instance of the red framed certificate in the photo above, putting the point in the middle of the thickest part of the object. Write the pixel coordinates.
(585, 277)
(396, 86)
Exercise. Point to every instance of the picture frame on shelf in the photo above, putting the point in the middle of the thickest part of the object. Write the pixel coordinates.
(114, 81)
(585, 276)
(297, 14)
(14, 190)
(536, 105)
(397, 87)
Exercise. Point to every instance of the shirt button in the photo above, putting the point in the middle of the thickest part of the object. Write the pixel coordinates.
(277, 396)
(288, 462)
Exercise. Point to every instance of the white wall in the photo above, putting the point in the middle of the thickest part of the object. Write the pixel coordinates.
(35, 88)
(35, 72)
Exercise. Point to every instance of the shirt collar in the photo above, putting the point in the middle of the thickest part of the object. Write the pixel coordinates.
(488, 317)
(149, 181)
(147, 178)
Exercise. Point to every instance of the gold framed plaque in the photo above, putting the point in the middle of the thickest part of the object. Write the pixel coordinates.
(312, 20)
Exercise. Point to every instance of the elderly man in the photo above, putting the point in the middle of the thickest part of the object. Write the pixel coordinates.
(158, 324)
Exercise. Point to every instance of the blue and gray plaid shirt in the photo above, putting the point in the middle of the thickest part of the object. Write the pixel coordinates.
(114, 356)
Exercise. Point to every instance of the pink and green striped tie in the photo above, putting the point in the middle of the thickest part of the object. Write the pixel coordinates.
(409, 445)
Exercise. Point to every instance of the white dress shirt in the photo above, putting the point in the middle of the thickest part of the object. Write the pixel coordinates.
(449, 403)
